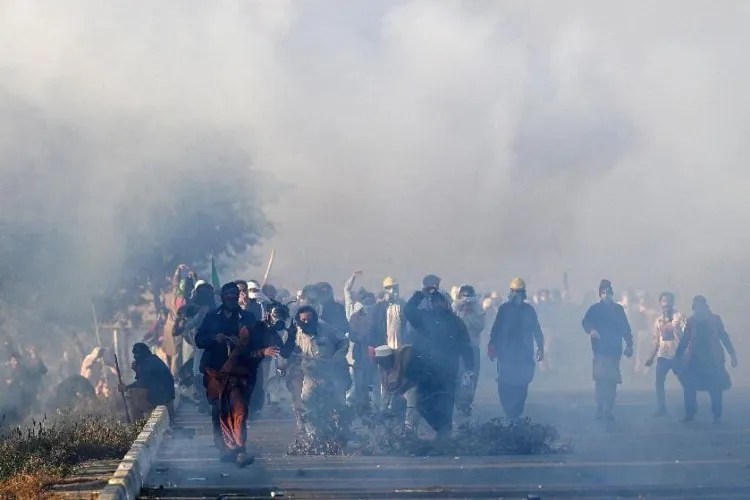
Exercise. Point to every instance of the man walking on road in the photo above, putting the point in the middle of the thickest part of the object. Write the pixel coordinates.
(668, 330)
(605, 322)
(234, 344)
(514, 333)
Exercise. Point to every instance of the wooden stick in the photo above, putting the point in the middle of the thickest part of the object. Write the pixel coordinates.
(268, 269)
(96, 326)
(124, 399)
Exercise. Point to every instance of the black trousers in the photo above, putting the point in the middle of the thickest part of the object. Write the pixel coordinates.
(437, 398)
(258, 396)
(513, 399)
(663, 367)
(691, 402)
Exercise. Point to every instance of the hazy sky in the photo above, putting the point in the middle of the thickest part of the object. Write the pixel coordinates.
(476, 140)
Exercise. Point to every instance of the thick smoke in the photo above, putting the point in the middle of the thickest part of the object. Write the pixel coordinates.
(477, 140)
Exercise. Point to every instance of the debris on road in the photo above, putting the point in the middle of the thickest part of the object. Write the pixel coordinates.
(496, 437)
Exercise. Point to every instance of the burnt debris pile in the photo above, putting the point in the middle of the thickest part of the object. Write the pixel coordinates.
(492, 438)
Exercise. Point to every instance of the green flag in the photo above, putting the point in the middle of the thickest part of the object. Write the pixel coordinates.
(215, 276)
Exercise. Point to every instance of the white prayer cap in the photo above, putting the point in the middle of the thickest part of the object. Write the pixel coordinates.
(383, 351)
(199, 283)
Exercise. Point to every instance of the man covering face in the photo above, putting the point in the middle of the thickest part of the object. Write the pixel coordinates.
(431, 284)
(277, 316)
(390, 289)
(253, 290)
(307, 319)
(517, 294)
(230, 297)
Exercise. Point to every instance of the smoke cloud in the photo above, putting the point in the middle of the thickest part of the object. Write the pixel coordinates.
(475, 140)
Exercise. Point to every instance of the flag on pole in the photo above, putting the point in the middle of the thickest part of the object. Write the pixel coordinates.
(215, 276)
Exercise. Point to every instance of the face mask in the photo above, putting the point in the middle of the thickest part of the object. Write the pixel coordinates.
(310, 327)
(516, 297)
(231, 303)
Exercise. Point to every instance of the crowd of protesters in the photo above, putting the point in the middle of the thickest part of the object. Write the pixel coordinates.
(419, 357)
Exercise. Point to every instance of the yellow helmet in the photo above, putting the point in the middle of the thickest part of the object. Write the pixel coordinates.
(388, 282)
(518, 284)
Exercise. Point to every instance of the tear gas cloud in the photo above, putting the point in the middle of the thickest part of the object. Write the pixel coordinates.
(476, 140)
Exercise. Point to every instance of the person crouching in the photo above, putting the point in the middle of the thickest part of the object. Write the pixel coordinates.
(153, 386)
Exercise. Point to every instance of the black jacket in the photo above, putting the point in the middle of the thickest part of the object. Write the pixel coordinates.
(610, 321)
(440, 338)
(215, 354)
(153, 375)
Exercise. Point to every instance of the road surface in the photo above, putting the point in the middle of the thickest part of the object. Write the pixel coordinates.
(638, 457)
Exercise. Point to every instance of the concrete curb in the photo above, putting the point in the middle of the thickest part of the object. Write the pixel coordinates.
(127, 481)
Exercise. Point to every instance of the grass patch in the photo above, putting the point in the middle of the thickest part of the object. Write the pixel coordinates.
(43, 452)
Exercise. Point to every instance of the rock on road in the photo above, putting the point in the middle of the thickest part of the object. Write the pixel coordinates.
(637, 457)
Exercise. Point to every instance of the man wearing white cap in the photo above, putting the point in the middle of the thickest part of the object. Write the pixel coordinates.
(396, 381)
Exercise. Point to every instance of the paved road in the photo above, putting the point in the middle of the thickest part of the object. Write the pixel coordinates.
(638, 457)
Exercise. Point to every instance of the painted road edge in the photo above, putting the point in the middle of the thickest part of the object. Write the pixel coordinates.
(127, 481)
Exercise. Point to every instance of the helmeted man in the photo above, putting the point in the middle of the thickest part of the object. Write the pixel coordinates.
(233, 346)
(668, 330)
(607, 325)
(440, 338)
(515, 331)
(468, 308)
(319, 372)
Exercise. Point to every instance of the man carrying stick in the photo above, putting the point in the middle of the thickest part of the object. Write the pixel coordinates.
(234, 344)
